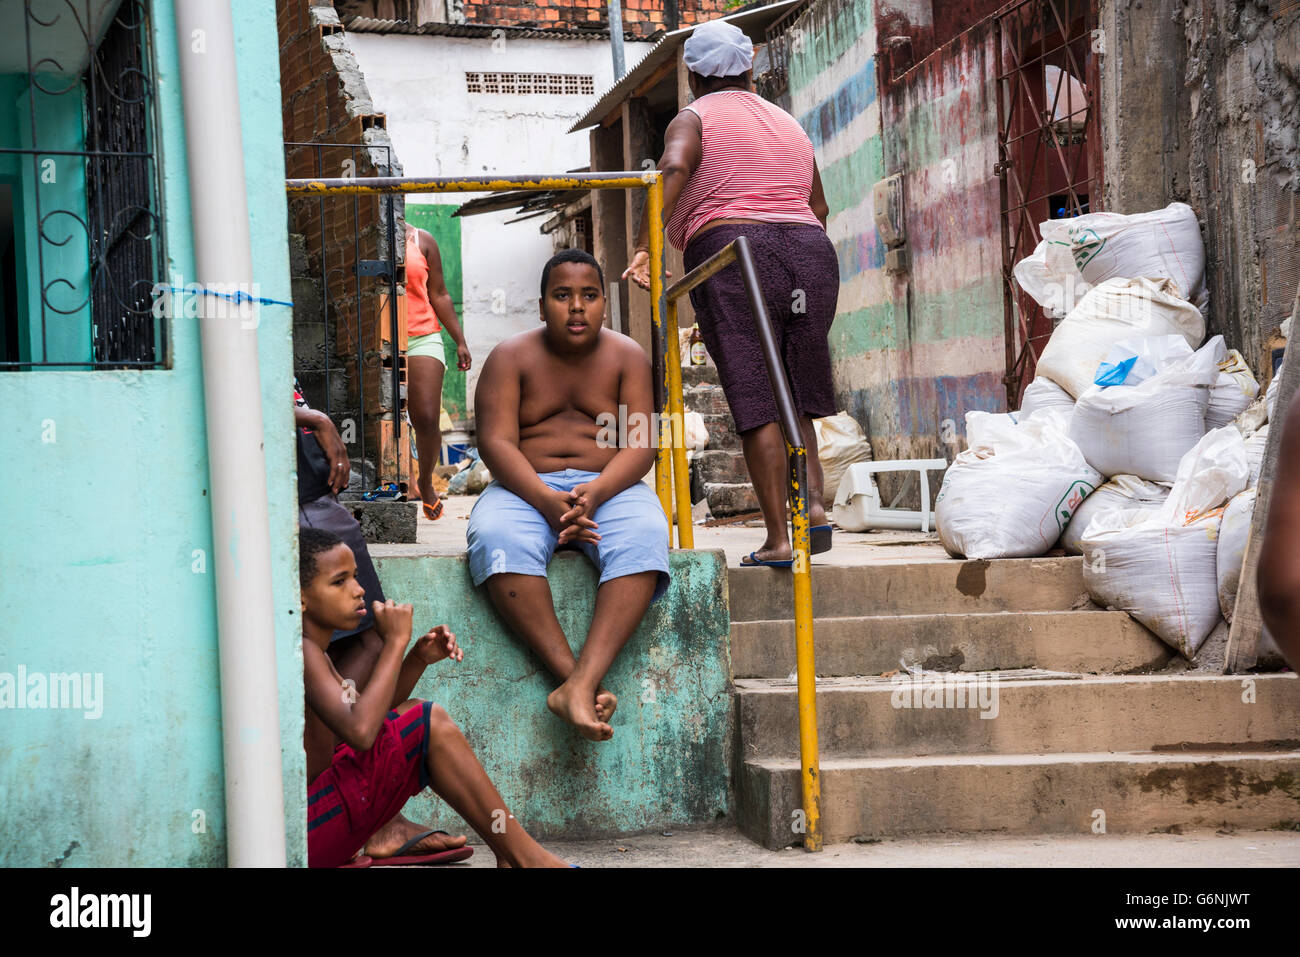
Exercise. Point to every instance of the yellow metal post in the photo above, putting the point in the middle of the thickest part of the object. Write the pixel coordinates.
(806, 672)
(677, 422)
(654, 198)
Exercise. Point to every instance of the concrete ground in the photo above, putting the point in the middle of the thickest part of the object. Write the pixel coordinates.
(726, 847)
(447, 537)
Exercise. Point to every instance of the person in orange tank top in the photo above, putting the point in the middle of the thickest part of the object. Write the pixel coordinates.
(429, 309)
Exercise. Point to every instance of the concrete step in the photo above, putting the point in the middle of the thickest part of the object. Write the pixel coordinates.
(722, 432)
(717, 466)
(939, 586)
(1068, 793)
(730, 499)
(1020, 713)
(1074, 641)
(706, 399)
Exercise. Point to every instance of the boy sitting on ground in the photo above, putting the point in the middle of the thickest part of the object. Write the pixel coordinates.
(541, 402)
(392, 747)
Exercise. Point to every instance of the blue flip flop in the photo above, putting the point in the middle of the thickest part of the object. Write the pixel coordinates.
(754, 560)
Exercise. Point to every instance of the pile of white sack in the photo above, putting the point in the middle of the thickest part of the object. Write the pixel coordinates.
(1138, 445)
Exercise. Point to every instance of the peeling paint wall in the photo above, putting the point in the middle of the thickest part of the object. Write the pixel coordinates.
(107, 562)
(916, 350)
(668, 762)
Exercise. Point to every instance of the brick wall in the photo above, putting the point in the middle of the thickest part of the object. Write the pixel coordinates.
(327, 106)
(643, 18)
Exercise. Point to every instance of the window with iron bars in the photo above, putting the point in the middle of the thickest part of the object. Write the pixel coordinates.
(549, 83)
(81, 243)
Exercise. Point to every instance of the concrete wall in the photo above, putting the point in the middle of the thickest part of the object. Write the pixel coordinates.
(1243, 77)
(440, 129)
(668, 760)
(107, 566)
(910, 351)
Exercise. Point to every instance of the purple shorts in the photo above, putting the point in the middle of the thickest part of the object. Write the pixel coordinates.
(799, 274)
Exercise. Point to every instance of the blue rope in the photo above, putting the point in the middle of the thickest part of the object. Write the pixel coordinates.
(237, 296)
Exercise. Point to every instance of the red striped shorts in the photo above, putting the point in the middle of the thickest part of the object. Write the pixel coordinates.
(360, 792)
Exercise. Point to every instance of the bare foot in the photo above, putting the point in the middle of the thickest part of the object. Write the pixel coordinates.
(388, 839)
(606, 704)
(579, 710)
(542, 858)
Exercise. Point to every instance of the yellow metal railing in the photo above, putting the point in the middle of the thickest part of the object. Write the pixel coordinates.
(737, 252)
(672, 480)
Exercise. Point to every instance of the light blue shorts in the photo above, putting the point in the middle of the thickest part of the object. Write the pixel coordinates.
(507, 535)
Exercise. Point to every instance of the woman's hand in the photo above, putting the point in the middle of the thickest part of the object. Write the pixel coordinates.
(337, 454)
(638, 269)
(463, 359)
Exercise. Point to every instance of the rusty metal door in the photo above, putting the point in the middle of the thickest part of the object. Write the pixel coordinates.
(1049, 150)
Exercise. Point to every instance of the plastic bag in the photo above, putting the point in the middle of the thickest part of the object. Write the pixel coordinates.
(1121, 492)
(1043, 393)
(1234, 530)
(1145, 429)
(1232, 393)
(696, 432)
(1116, 310)
(1163, 243)
(840, 443)
(1015, 489)
(1161, 565)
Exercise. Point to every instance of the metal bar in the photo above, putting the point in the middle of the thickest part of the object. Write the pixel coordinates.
(719, 261)
(677, 423)
(663, 460)
(461, 184)
(805, 666)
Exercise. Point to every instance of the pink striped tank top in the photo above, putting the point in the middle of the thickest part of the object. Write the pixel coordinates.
(756, 163)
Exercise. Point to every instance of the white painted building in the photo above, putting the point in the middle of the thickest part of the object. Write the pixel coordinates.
(454, 108)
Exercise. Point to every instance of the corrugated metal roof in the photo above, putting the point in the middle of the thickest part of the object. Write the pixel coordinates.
(480, 30)
(753, 21)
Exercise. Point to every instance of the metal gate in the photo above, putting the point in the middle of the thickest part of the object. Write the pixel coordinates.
(1049, 150)
(349, 323)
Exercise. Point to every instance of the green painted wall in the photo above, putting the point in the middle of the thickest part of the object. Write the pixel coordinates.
(107, 564)
(668, 760)
(437, 220)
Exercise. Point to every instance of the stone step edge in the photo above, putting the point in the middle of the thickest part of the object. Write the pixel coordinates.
(1286, 751)
(930, 616)
(871, 684)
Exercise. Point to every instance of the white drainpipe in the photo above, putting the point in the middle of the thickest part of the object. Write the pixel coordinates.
(250, 694)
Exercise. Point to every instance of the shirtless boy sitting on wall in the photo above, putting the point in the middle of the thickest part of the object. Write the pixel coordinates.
(559, 482)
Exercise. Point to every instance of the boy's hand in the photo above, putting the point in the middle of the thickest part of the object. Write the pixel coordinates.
(392, 621)
(578, 523)
(555, 506)
(436, 644)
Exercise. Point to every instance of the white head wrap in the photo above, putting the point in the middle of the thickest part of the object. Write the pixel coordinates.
(717, 48)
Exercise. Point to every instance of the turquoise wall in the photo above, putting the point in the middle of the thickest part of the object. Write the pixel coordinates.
(107, 565)
(668, 760)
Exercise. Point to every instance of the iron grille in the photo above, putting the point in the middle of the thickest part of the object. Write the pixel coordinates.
(100, 304)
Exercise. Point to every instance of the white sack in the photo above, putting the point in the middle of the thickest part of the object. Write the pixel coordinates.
(840, 443)
(1056, 286)
(1256, 444)
(1114, 311)
(1043, 393)
(1162, 243)
(1121, 492)
(1232, 393)
(1234, 529)
(1145, 429)
(1270, 396)
(1160, 566)
(1013, 491)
